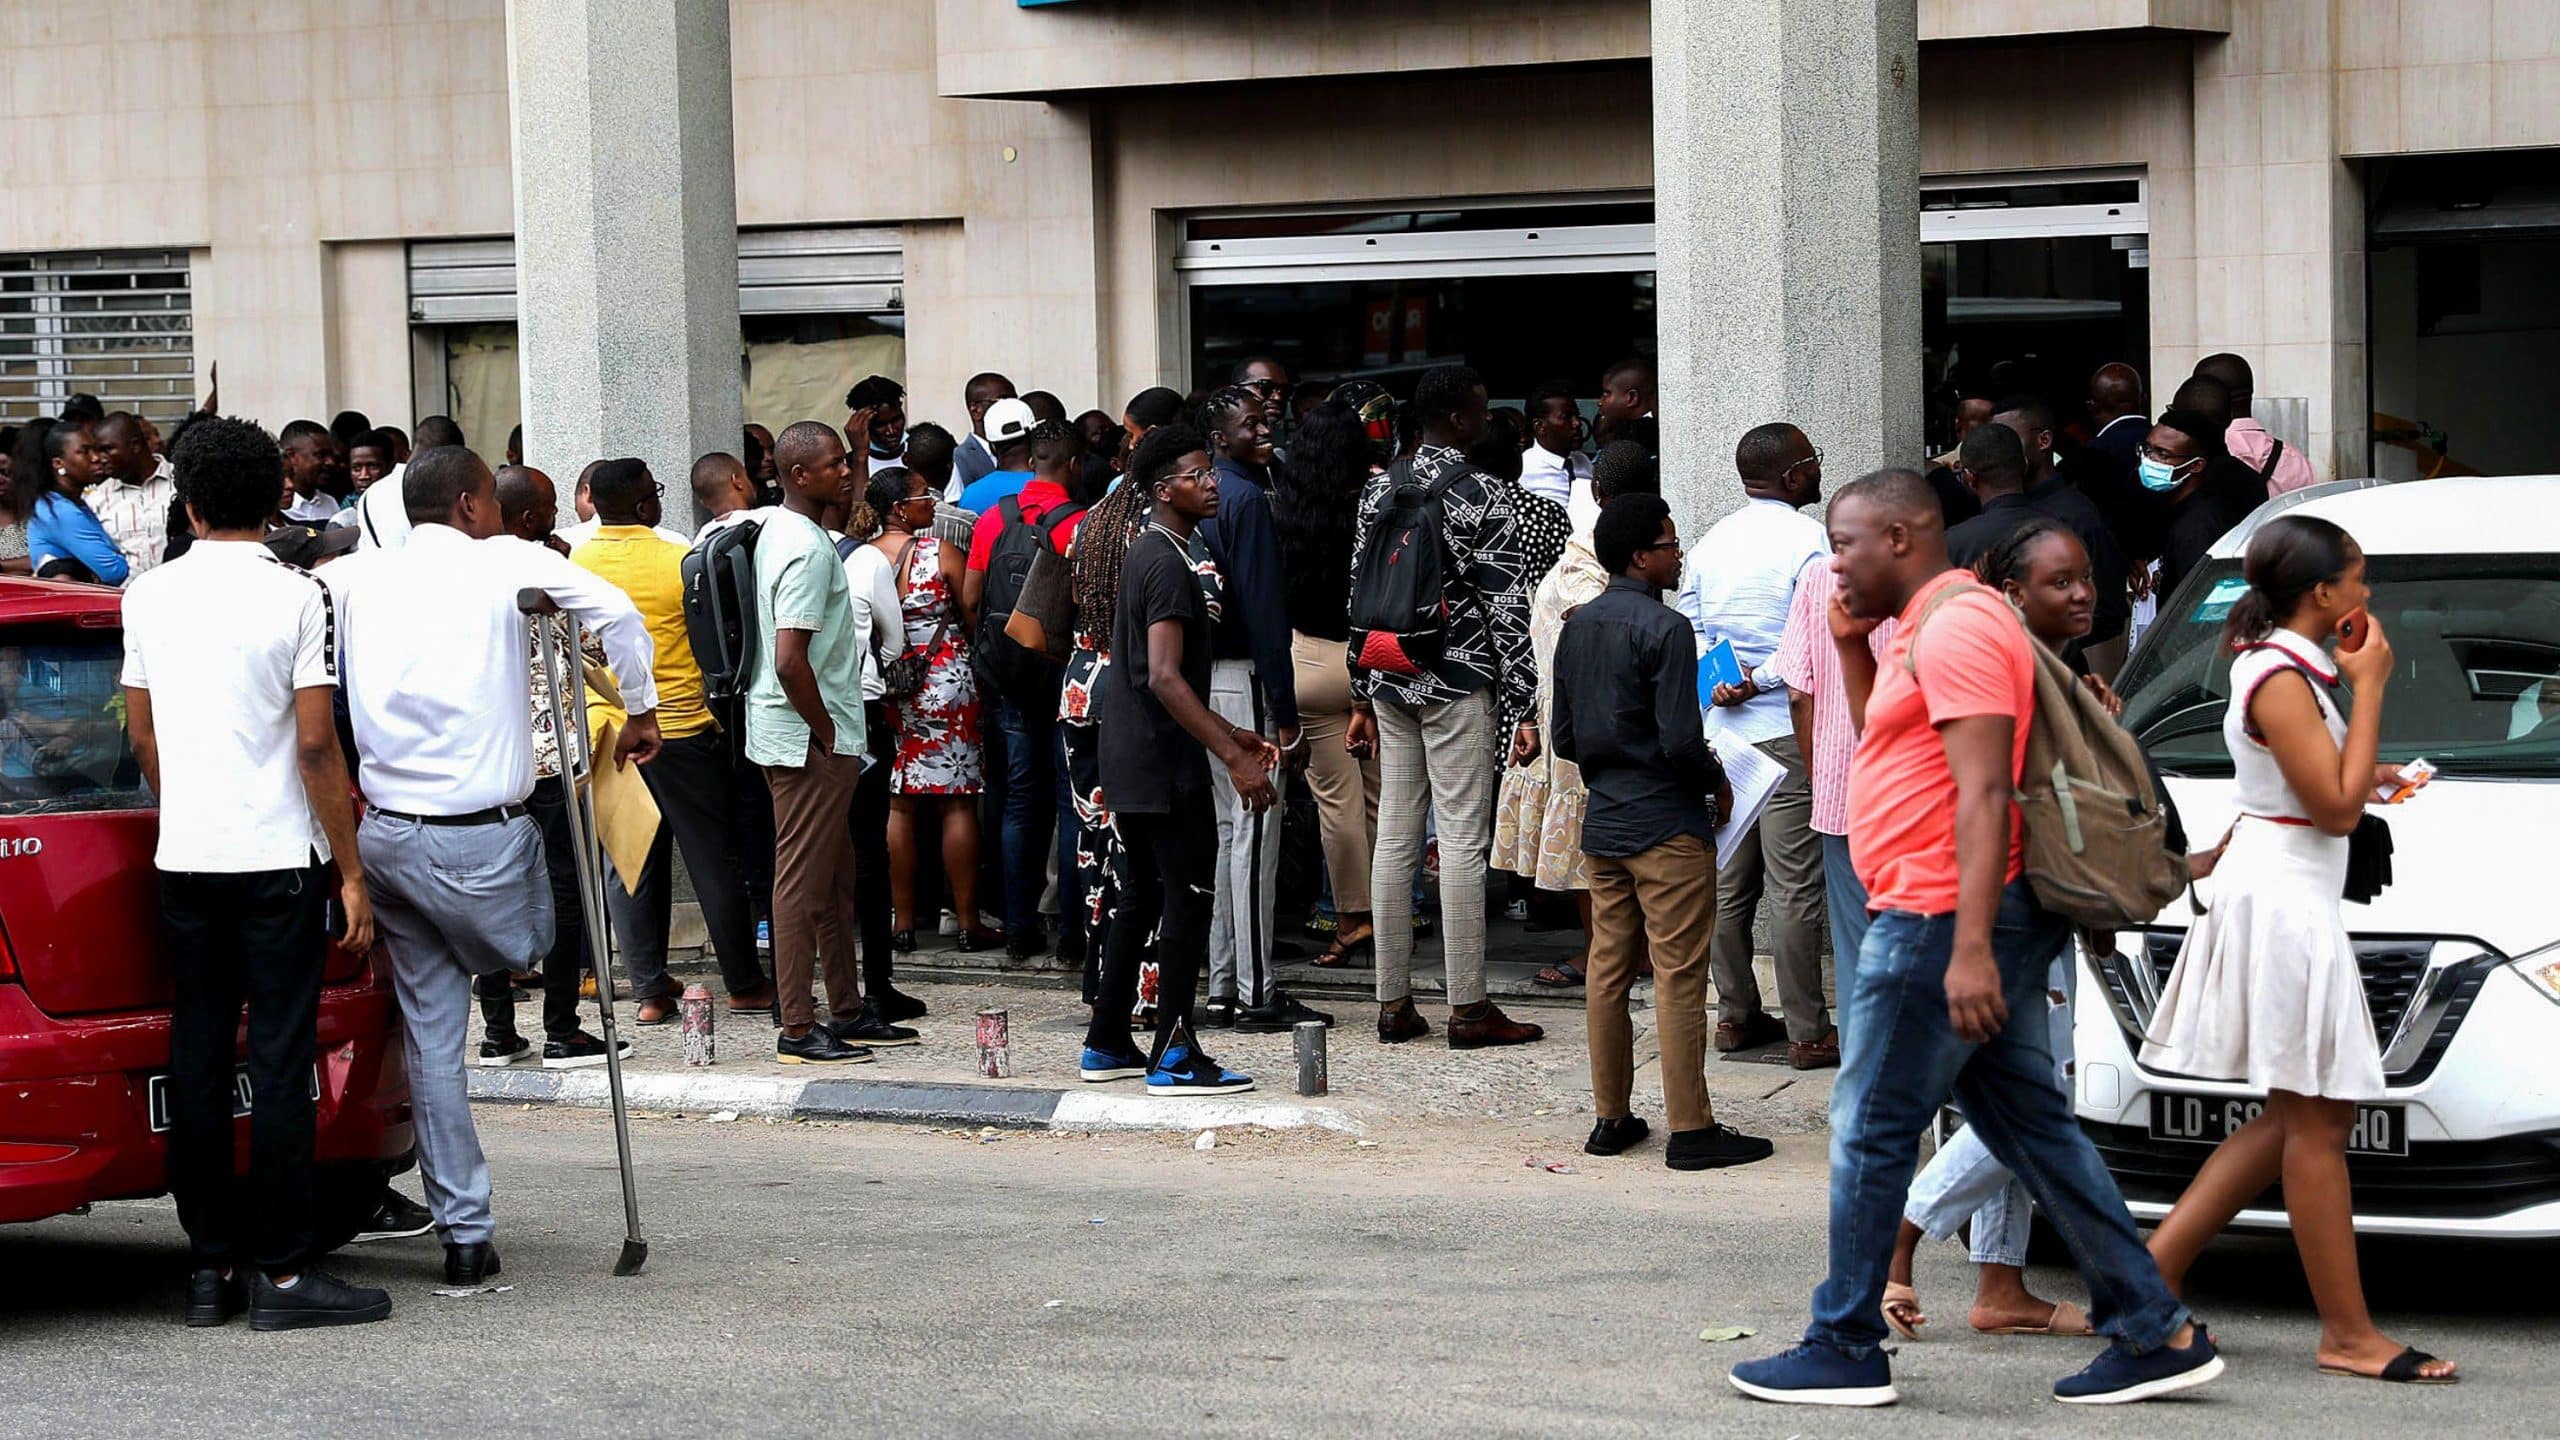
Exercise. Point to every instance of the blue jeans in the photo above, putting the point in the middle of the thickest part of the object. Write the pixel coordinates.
(1906, 1063)
(1032, 801)
(1848, 900)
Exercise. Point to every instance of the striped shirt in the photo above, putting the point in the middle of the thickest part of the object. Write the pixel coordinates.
(1809, 661)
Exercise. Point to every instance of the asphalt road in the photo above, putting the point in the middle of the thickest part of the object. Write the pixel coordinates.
(813, 1280)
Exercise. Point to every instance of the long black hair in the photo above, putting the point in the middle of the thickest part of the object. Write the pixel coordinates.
(1315, 511)
(2287, 559)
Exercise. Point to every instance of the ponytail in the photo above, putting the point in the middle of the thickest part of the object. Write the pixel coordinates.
(2287, 559)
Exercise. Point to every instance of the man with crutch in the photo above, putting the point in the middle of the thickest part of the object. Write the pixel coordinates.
(434, 663)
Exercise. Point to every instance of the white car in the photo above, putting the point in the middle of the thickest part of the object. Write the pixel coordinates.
(2462, 953)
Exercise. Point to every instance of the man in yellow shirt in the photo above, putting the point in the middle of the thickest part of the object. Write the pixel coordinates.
(692, 778)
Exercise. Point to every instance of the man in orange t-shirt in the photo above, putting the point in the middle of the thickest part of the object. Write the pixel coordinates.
(1957, 945)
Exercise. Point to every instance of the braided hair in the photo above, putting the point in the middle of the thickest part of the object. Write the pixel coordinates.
(2006, 561)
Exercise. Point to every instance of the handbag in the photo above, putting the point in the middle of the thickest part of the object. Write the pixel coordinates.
(904, 676)
(2368, 860)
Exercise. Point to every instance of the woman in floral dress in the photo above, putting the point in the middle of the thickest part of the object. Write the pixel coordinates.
(940, 765)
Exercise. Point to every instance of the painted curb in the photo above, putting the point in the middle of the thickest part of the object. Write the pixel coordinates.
(902, 1102)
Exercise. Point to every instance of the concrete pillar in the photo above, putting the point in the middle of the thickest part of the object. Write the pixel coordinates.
(1787, 221)
(626, 235)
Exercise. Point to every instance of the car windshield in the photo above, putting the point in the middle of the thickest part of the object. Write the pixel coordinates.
(62, 739)
(2476, 639)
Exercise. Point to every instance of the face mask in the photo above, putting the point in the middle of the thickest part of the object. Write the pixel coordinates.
(886, 452)
(2159, 476)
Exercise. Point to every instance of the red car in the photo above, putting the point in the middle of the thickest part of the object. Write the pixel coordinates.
(84, 989)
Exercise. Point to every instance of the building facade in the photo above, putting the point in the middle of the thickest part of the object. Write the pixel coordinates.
(1094, 196)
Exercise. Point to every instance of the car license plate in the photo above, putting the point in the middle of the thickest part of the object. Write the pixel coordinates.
(158, 1091)
(2210, 1119)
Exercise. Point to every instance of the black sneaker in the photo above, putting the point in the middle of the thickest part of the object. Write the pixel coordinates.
(1218, 1012)
(1279, 1014)
(578, 1050)
(896, 1005)
(496, 1054)
(868, 1028)
(471, 1263)
(1714, 1148)
(1616, 1137)
(213, 1297)
(317, 1298)
(818, 1047)
(1026, 942)
(397, 1218)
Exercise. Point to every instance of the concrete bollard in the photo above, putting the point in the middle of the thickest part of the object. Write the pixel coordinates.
(1308, 1040)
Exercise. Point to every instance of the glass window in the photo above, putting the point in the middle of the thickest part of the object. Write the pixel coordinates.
(2476, 637)
(2031, 316)
(62, 738)
(1519, 330)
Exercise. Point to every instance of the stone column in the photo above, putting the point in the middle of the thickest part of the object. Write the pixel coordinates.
(1787, 225)
(626, 235)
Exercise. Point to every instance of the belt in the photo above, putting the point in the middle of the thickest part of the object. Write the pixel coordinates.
(2280, 820)
(494, 815)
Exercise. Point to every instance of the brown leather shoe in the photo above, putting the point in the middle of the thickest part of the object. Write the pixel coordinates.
(1761, 1029)
(1484, 1024)
(1822, 1054)
(754, 1002)
(1400, 1022)
(660, 1009)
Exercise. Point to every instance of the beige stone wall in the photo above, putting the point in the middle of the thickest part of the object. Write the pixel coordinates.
(2429, 75)
(998, 47)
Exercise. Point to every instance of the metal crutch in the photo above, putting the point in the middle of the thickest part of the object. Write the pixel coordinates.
(564, 683)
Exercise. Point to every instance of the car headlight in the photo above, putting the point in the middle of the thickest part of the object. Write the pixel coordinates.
(2541, 970)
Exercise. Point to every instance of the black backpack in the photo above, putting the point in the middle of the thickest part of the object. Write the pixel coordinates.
(1399, 603)
(1018, 668)
(720, 609)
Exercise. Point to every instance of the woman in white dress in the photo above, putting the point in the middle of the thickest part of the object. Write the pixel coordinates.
(2267, 989)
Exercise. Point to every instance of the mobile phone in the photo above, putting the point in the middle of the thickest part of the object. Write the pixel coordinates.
(2412, 775)
(2352, 628)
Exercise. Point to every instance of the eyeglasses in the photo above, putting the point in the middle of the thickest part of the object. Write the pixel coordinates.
(1200, 476)
(1813, 459)
(1660, 545)
(2149, 451)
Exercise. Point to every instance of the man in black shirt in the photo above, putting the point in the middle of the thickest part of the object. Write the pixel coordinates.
(1993, 465)
(2176, 462)
(1626, 711)
(2051, 494)
(1158, 737)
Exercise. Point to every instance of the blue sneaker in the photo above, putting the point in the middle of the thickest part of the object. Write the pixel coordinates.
(2119, 1377)
(1102, 1065)
(1186, 1071)
(1812, 1374)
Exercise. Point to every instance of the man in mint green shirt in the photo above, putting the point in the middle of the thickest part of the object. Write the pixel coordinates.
(804, 726)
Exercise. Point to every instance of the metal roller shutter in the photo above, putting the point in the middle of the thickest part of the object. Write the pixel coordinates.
(853, 270)
(116, 324)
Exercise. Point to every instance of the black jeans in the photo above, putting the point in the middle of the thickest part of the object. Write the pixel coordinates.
(258, 937)
(1032, 799)
(871, 852)
(690, 781)
(568, 958)
(1171, 875)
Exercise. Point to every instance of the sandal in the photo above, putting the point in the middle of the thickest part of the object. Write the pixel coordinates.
(1902, 1310)
(1562, 975)
(2406, 1368)
(1347, 952)
(2068, 1319)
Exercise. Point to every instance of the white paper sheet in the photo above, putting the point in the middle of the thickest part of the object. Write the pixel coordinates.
(1754, 778)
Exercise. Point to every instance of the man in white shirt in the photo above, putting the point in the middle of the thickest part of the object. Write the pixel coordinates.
(878, 423)
(434, 662)
(1742, 578)
(132, 502)
(1554, 465)
(310, 457)
(256, 836)
(381, 512)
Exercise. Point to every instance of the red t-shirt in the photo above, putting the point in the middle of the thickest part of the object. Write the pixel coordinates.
(1037, 499)
(1902, 795)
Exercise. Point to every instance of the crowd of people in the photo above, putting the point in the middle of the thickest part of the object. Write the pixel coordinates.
(1071, 666)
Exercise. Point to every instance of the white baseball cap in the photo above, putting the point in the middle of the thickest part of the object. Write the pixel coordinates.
(1009, 420)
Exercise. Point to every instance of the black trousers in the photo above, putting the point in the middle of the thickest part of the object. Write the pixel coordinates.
(568, 958)
(1168, 889)
(257, 937)
(690, 780)
(871, 852)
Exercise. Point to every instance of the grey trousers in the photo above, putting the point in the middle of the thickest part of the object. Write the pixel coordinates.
(451, 902)
(1434, 762)
(1783, 857)
(1248, 851)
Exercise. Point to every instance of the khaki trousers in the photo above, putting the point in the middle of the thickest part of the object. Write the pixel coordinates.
(1344, 785)
(813, 915)
(1664, 897)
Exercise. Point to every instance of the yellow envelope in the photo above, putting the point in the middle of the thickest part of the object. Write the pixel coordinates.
(626, 813)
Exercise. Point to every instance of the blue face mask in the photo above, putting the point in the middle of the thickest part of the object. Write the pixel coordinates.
(2159, 476)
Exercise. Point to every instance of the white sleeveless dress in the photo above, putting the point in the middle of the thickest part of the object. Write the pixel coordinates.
(2266, 989)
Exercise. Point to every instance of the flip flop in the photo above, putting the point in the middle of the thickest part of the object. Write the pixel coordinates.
(1897, 1298)
(2068, 1319)
(2406, 1368)
(1562, 975)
